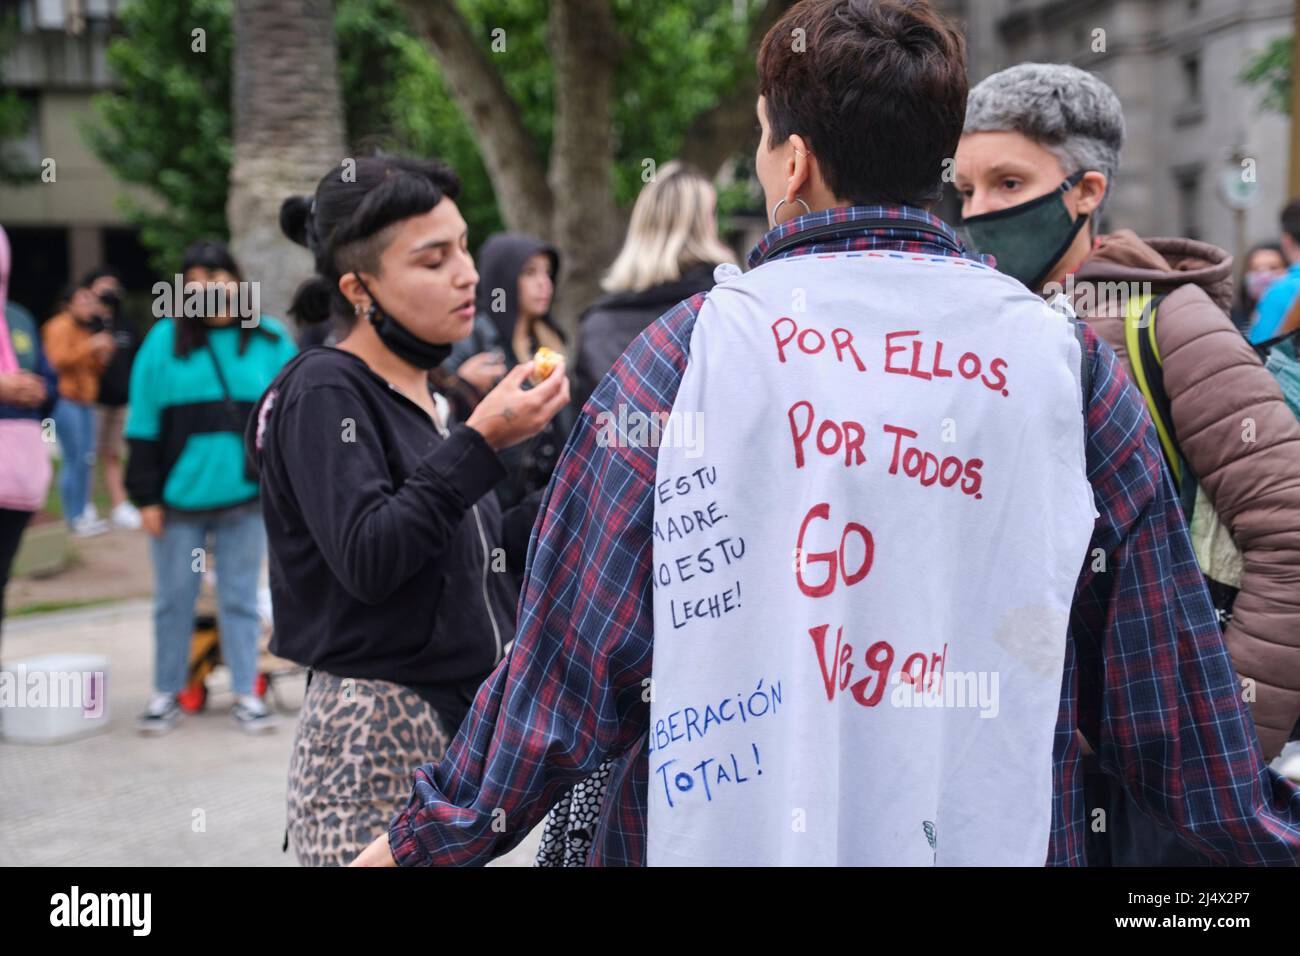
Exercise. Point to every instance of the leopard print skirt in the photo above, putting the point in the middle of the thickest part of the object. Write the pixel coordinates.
(355, 752)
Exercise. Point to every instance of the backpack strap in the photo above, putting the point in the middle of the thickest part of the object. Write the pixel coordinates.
(1263, 348)
(1148, 375)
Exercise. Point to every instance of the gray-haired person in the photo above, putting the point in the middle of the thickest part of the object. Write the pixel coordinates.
(1035, 167)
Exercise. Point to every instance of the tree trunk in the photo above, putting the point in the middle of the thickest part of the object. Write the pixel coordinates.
(288, 128)
(509, 153)
(585, 220)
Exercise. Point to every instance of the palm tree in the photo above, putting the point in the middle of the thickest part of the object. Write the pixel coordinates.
(288, 126)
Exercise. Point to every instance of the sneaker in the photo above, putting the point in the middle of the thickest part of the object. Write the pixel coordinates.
(88, 525)
(162, 714)
(251, 715)
(91, 512)
(126, 516)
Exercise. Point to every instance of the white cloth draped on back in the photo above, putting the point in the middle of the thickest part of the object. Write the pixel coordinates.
(871, 510)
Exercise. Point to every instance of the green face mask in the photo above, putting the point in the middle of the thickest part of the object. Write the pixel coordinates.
(1028, 239)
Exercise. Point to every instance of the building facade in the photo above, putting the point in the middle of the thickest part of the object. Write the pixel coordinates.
(61, 229)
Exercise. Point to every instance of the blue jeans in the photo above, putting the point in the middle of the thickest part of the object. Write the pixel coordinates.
(179, 559)
(74, 427)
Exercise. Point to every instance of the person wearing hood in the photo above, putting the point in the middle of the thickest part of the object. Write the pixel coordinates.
(1034, 168)
(389, 556)
(669, 255)
(28, 391)
(511, 322)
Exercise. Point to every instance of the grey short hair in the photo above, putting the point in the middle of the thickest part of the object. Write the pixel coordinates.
(1068, 111)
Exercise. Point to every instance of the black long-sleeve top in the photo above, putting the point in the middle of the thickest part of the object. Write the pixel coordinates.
(388, 558)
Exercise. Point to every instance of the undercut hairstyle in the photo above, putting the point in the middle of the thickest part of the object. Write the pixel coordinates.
(349, 223)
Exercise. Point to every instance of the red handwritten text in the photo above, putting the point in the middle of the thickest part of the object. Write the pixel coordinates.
(969, 365)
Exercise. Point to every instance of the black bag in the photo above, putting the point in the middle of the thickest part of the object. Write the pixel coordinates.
(238, 420)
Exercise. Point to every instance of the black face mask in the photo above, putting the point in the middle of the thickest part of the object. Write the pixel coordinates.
(1028, 239)
(398, 340)
(114, 303)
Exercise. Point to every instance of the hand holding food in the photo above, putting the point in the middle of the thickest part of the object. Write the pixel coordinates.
(544, 363)
(509, 413)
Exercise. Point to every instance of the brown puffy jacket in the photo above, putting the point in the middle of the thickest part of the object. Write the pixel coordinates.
(1215, 381)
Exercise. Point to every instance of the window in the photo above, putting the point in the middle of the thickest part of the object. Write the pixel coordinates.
(1191, 69)
(1187, 183)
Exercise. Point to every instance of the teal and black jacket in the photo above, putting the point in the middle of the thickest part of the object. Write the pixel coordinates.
(185, 431)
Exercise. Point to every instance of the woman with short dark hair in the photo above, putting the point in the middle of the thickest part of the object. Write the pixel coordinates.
(389, 557)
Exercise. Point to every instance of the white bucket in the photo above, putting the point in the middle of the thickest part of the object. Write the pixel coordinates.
(55, 697)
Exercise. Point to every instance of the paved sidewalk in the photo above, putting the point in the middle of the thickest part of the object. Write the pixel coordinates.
(206, 794)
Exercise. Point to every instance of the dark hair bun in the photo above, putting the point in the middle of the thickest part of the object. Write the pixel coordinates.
(312, 302)
(293, 218)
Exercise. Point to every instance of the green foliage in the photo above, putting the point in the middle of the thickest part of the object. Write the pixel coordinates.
(168, 127)
(1271, 71)
(15, 112)
(395, 99)
(682, 58)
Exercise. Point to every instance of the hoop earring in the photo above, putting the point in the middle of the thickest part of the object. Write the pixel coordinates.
(781, 202)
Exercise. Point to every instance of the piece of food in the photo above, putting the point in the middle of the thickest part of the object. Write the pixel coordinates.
(544, 363)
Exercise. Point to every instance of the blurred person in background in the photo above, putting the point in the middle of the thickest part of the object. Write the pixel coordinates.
(515, 290)
(110, 411)
(1281, 294)
(193, 387)
(669, 255)
(1263, 266)
(28, 391)
(670, 252)
(79, 346)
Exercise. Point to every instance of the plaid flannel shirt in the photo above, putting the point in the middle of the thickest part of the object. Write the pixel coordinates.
(1147, 675)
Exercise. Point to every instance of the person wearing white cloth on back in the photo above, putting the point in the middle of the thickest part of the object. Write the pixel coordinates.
(850, 600)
